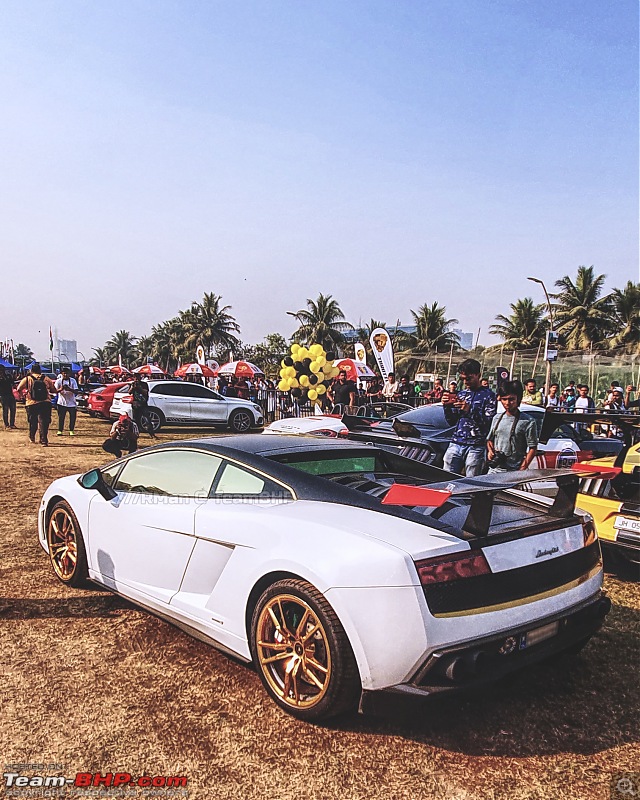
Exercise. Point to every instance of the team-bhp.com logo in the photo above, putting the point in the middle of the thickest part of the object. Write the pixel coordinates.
(87, 780)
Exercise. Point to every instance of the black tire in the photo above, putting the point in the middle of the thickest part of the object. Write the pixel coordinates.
(241, 420)
(155, 417)
(67, 554)
(306, 665)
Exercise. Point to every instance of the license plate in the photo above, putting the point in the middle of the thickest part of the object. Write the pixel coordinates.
(540, 634)
(626, 524)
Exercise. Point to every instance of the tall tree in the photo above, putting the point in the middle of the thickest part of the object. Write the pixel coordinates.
(100, 357)
(582, 313)
(433, 334)
(625, 317)
(145, 347)
(210, 325)
(122, 345)
(321, 322)
(524, 328)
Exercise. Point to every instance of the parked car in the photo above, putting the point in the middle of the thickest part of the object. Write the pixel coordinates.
(344, 572)
(186, 403)
(615, 505)
(424, 434)
(331, 425)
(97, 402)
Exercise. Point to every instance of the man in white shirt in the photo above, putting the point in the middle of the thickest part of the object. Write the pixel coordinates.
(66, 387)
(390, 389)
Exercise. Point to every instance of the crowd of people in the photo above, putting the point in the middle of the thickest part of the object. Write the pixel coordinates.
(482, 437)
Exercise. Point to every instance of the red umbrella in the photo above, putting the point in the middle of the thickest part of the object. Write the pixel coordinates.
(150, 369)
(243, 369)
(195, 369)
(116, 369)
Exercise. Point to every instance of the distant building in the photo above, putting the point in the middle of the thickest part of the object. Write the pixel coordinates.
(466, 339)
(66, 350)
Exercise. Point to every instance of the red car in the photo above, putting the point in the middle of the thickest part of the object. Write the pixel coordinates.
(100, 399)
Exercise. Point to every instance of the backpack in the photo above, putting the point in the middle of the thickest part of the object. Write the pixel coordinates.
(38, 391)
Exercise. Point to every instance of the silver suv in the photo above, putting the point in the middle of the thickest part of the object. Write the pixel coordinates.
(186, 403)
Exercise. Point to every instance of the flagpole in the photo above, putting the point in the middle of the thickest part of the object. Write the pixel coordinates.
(51, 349)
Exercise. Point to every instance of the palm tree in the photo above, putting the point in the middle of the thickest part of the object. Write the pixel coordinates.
(321, 322)
(525, 328)
(433, 333)
(145, 347)
(100, 357)
(625, 306)
(209, 325)
(122, 345)
(582, 314)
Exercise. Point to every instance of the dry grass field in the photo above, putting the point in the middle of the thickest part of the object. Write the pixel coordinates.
(93, 684)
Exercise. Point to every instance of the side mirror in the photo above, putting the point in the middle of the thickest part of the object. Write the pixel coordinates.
(94, 480)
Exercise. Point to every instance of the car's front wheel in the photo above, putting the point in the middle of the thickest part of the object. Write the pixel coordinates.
(66, 546)
(302, 652)
(240, 420)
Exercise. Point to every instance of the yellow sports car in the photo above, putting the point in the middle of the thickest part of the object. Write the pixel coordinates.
(615, 504)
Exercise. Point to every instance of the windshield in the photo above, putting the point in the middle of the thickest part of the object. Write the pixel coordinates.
(431, 415)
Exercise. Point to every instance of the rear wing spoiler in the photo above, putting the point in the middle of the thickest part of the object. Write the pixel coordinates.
(360, 423)
(483, 489)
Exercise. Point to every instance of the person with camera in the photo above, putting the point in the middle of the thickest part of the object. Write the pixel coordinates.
(66, 387)
(471, 410)
(140, 404)
(512, 441)
(123, 436)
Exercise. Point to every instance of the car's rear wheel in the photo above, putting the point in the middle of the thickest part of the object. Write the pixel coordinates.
(240, 420)
(66, 546)
(155, 417)
(302, 652)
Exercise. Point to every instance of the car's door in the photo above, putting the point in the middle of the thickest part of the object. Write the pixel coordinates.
(207, 406)
(229, 534)
(173, 400)
(139, 543)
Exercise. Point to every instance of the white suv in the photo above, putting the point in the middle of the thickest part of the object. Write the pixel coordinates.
(186, 403)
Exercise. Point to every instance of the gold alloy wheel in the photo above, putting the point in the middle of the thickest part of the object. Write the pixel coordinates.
(62, 539)
(293, 651)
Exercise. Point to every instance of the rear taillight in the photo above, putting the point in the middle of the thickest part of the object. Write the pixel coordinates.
(126, 400)
(326, 432)
(452, 567)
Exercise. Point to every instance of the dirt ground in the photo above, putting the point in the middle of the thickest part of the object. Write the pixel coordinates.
(92, 684)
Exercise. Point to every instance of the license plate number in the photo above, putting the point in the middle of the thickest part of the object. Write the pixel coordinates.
(539, 635)
(626, 524)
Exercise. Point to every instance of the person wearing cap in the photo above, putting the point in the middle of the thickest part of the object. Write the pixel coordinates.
(123, 436)
(568, 400)
(66, 387)
(616, 402)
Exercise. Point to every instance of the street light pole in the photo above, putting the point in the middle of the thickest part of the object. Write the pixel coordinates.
(551, 327)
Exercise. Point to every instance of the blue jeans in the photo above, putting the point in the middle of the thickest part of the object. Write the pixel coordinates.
(465, 459)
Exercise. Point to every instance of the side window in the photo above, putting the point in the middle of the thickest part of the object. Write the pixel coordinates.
(234, 480)
(195, 390)
(171, 473)
(169, 389)
(109, 473)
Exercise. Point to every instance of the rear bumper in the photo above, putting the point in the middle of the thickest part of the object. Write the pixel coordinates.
(486, 660)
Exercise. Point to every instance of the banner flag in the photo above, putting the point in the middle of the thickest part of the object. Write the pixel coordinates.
(50, 339)
(382, 350)
(360, 353)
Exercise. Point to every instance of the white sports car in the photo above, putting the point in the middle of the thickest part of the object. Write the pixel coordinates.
(346, 573)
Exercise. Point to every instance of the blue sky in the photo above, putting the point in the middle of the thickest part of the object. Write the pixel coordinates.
(390, 154)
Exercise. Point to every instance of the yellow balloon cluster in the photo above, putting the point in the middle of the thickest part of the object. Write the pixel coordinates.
(306, 373)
